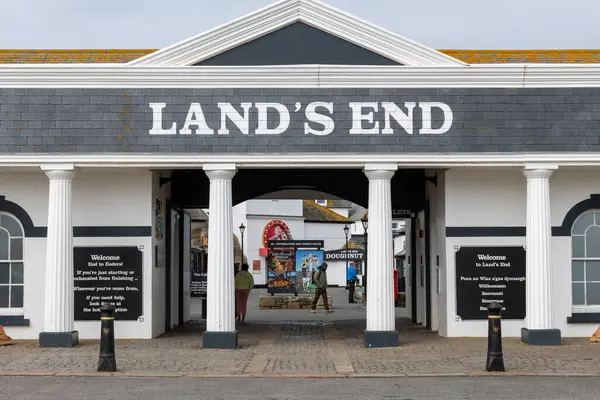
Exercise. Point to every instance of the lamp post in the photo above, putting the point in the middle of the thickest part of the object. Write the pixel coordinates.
(346, 230)
(242, 230)
(365, 224)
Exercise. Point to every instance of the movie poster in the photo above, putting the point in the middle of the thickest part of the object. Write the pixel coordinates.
(307, 261)
(282, 271)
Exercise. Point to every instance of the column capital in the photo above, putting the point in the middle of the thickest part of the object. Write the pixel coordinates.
(62, 171)
(380, 170)
(220, 171)
(538, 173)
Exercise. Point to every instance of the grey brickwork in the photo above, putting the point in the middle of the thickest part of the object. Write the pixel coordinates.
(118, 121)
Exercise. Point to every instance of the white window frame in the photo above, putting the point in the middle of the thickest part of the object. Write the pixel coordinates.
(14, 310)
(584, 308)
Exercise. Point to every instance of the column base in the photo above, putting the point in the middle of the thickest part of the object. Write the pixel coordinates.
(541, 337)
(220, 340)
(59, 339)
(381, 339)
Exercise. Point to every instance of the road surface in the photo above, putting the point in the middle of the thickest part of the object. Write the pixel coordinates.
(463, 388)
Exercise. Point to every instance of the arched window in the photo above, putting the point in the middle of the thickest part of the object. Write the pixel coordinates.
(585, 266)
(11, 262)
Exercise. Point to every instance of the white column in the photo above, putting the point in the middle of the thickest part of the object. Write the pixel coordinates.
(539, 270)
(58, 305)
(220, 313)
(380, 284)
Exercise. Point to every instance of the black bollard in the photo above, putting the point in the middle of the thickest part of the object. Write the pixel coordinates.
(495, 359)
(107, 362)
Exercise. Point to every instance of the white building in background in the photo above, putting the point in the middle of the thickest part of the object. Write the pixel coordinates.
(305, 220)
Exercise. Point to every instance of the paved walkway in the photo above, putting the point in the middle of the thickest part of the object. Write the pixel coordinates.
(296, 343)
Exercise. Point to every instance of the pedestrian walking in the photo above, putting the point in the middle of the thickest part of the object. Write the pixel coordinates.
(351, 277)
(244, 283)
(320, 280)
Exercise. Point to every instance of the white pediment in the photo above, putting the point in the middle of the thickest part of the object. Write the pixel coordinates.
(286, 12)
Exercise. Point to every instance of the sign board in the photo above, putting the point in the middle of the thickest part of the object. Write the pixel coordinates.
(401, 213)
(198, 284)
(490, 274)
(108, 274)
(341, 255)
(285, 244)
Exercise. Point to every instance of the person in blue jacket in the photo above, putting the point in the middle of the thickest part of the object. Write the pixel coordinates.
(351, 277)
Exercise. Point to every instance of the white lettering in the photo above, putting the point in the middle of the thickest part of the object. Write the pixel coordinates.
(366, 118)
(195, 117)
(313, 116)
(242, 123)
(487, 257)
(284, 118)
(157, 121)
(404, 119)
(448, 117)
(358, 117)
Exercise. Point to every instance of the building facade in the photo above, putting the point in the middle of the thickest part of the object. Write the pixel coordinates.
(495, 166)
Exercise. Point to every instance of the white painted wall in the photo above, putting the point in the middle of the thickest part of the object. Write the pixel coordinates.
(274, 207)
(187, 222)
(174, 271)
(159, 277)
(420, 270)
(498, 198)
(342, 211)
(437, 246)
(409, 269)
(100, 198)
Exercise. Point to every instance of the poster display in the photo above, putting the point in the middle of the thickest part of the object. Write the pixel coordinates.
(307, 261)
(490, 274)
(108, 274)
(282, 271)
(256, 266)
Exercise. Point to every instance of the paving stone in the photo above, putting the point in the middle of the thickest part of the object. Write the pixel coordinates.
(305, 345)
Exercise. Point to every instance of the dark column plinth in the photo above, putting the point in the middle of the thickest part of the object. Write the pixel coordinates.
(541, 337)
(59, 339)
(374, 339)
(220, 340)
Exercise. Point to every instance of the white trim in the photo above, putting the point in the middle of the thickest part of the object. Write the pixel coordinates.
(282, 13)
(302, 160)
(299, 76)
(586, 309)
(12, 311)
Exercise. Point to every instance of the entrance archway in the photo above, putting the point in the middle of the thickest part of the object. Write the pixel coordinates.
(190, 189)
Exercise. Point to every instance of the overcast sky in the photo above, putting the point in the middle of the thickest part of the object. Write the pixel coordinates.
(442, 24)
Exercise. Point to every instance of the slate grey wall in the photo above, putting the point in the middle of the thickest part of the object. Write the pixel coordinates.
(118, 121)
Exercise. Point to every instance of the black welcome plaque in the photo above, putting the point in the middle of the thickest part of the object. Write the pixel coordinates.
(490, 274)
(198, 284)
(108, 274)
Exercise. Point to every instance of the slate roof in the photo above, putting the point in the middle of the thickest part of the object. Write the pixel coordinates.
(116, 56)
(313, 212)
